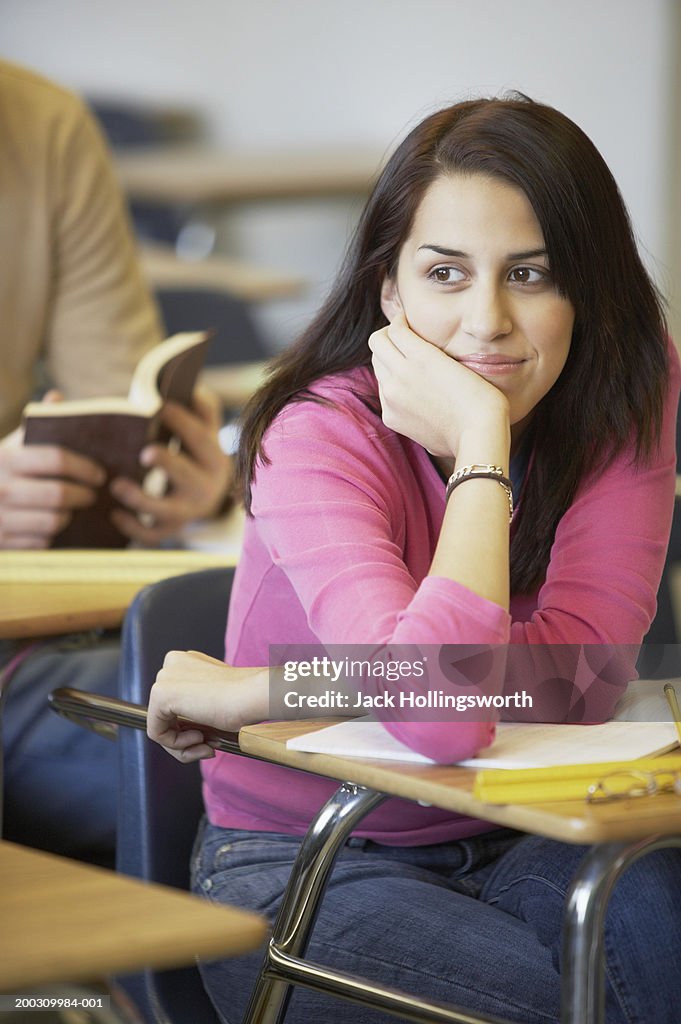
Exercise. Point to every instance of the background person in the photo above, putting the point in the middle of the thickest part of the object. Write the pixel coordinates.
(76, 315)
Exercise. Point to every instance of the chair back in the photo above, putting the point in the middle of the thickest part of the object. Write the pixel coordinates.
(236, 338)
(160, 800)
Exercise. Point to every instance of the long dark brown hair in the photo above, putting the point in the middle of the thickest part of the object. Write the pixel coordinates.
(611, 390)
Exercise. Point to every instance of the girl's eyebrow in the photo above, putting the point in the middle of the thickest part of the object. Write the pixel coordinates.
(529, 254)
(441, 250)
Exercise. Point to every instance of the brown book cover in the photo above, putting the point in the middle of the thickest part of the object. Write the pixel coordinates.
(113, 431)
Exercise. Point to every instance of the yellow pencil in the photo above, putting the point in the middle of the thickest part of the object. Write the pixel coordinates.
(670, 694)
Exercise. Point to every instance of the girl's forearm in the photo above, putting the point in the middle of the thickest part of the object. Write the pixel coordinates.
(473, 547)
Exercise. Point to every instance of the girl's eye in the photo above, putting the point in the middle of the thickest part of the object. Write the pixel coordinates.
(528, 275)
(446, 275)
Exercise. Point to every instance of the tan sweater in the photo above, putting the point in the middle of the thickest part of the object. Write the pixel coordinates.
(71, 292)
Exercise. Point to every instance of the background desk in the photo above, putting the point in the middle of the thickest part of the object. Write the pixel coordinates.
(45, 593)
(66, 921)
(164, 269)
(189, 174)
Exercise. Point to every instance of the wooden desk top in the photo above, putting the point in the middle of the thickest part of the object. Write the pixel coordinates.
(190, 174)
(27, 611)
(46, 593)
(66, 921)
(450, 787)
(254, 284)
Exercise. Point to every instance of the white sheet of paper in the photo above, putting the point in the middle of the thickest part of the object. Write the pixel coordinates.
(517, 744)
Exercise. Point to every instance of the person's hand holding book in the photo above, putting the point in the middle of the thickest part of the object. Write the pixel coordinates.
(199, 475)
(40, 487)
(158, 448)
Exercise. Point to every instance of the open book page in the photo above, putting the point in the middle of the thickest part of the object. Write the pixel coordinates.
(517, 744)
(169, 370)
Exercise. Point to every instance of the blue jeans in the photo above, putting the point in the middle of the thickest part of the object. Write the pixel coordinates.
(60, 780)
(475, 923)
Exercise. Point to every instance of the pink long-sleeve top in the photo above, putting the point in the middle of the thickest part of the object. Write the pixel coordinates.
(346, 517)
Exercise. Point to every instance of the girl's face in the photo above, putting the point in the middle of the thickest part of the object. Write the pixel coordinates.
(473, 278)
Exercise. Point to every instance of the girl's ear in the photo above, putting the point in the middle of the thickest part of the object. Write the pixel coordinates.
(390, 299)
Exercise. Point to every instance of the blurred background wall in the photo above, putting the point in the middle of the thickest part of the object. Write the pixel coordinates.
(303, 73)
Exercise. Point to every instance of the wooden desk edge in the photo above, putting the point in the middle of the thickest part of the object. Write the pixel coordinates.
(205, 930)
(568, 821)
(54, 622)
(55, 606)
(165, 269)
(190, 173)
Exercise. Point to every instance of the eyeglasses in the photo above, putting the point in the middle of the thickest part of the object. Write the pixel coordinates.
(625, 785)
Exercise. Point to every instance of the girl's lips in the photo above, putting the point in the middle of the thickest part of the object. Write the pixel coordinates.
(491, 365)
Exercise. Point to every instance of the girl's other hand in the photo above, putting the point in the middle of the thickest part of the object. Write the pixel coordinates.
(197, 688)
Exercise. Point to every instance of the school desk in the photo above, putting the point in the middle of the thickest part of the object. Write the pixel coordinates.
(190, 174)
(619, 832)
(47, 593)
(64, 921)
(164, 269)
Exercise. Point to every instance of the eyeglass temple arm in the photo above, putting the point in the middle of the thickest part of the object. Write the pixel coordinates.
(105, 714)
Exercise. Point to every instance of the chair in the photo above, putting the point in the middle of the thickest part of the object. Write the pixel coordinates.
(160, 806)
(160, 800)
(236, 337)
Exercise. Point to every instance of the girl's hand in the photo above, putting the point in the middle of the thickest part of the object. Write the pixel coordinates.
(427, 396)
(197, 688)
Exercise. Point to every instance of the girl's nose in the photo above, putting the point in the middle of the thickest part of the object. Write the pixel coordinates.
(486, 315)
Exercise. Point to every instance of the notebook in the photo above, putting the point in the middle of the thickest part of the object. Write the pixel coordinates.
(517, 744)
